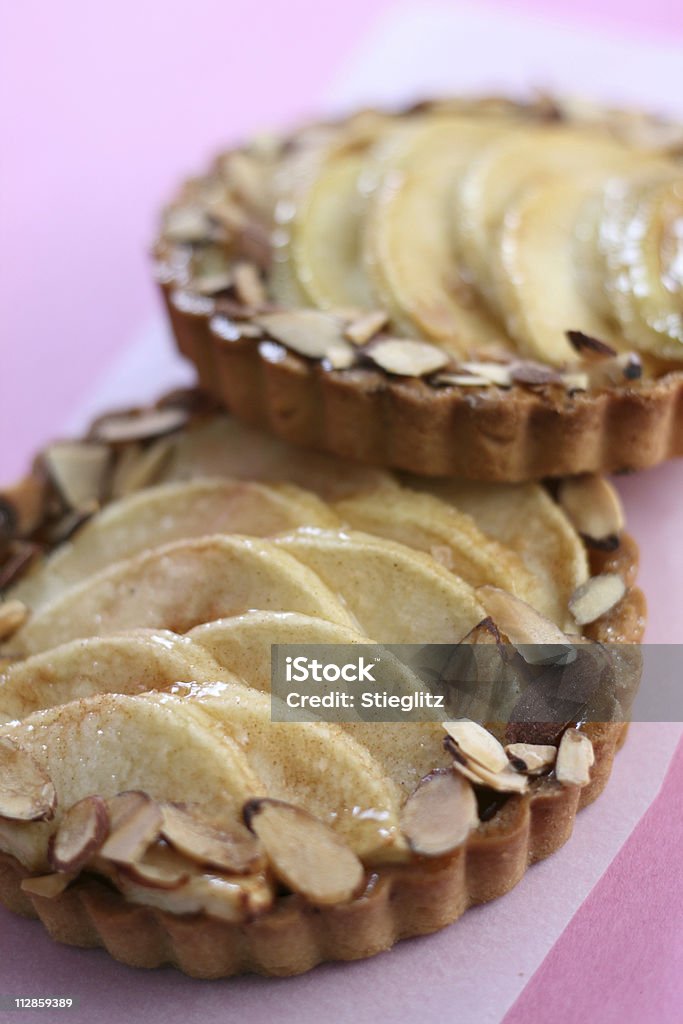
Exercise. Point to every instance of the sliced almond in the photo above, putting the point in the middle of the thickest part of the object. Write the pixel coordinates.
(408, 358)
(505, 781)
(575, 381)
(365, 327)
(575, 757)
(13, 615)
(589, 348)
(144, 426)
(186, 224)
(440, 814)
(527, 372)
(306, 331)
(477, 744)
(81, 832)
(21, 555)
(496, 373)
(47, 886)
(461, 380)
(141, 467)
(135, 824)
(485, 632)
(78, 469)
(531, 758)
(537, 639)
(596, 597)
(248, 285)
(594, 508)
(214, 283)
(160, 867)
(208, 845)
(340, 357)
(26, 790)
(304, 853)
(23, 506)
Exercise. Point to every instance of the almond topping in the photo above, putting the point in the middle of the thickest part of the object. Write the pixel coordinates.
(496, 373)
(47, 886)
(531, 758)
(135, 823)
(461, 380)
(23, 506)
(440, 814)
(138, 468)
(366, 327)
(408, 358)
(186, 224)
(26, 790)
(576, 381)
(594, 508)
(159, 868)
(13, 615)
(590, 348)
(78, 470)
(212, 284)
(477, 744)
(575, 757)
(340, 357)
(537, 639)
(304, 853)
(306, 331)
(505, 781)
(526, 372)
(151, 423)
(596, 597)
(208, 845)
(81, 833)
(248, 285)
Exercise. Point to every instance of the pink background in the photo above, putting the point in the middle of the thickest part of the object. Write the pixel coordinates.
(102, 109)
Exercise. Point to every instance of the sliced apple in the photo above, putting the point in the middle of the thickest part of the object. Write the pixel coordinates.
(111, 744)
(524, 518)
(396, 594)
(170, 512)
(311, 764)
(426, 523)
(178, 586)
(129, 663)
(408, 249)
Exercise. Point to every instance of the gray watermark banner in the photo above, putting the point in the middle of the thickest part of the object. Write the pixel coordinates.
(486, 682)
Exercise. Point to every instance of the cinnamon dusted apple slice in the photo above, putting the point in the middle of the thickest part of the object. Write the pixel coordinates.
(305, 854)
(408, 247)
(313, 764)
(453, 537)
(502, 169)
(396, 594)
(641, 240)
(166, 513)
(159, 588)
(130, 663)
(525, 518)
(109, 744)
(27, 792)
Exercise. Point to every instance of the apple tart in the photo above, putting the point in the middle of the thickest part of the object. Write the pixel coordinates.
(151, 804)
(479, 288)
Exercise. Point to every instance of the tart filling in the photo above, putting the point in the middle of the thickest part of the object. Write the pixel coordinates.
(149, 757)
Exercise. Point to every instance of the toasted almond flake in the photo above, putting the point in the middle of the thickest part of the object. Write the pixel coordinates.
(408, 358)
(461, 380)
(13, 615)
(20, 556)
(537, 639)
(531, 758)
(160, 867)
(306, 331)
(505, 781)
(81, 833)
(576, 381)
(135, 824)
(594, 508)
(140, 467)
(47, 886)
(575, 757)
(477, 744)
(26, 790)
(485, 632)
(496, 373)
(440, 814)
(591, 349)
(596, 597)
(78, 469)
(365, 327)
(304, 853)
(206, 844)
(143, 426)
(23, 506)
(186, 224)
(527, 372)
(212, 284)
(340, 357)
(248, 285)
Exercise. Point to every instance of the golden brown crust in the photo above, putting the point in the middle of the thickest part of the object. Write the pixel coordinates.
(485, 434)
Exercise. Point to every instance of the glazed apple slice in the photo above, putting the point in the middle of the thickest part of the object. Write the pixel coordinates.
(396, 594)
(407, 242)
(311, 764)
(641, 241)
(171, 512)
(111, 744)
(129, 663)
(502, 169)
(177, 586)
